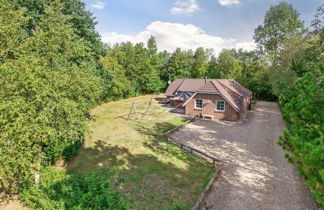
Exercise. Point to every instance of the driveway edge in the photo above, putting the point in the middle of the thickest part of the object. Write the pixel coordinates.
(206, 190)
(216, 163)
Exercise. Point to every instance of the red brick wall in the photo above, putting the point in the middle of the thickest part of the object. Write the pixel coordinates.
(247, 101)
(209, 107)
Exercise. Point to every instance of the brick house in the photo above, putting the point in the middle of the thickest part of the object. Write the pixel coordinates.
(223, 99)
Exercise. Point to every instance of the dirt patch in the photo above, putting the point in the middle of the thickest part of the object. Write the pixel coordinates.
(11, 204)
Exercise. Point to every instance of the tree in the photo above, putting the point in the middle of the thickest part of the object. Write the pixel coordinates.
(81, 20)
(162, 67)
(179, 64)
(199, 68)
(45, 92)
(212, 69)
(228, 65)
(12, 33)
(152, 47)
(145, 75)
(120, 85)
(59, 190)
(303, 111)
(318, 23)
(281, 22)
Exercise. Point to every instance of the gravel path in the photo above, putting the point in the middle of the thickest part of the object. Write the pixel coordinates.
(255, 174)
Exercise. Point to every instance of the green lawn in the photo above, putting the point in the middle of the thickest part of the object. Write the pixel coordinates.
(150, 172)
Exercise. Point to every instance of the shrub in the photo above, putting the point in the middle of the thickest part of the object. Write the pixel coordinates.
(303, 111)
(58, 190)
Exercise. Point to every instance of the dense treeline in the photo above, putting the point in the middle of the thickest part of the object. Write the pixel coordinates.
(50, 76)
(139, 70)
(54, 68)
(296, 77)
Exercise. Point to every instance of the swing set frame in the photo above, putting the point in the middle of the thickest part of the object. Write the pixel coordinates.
(134, 110)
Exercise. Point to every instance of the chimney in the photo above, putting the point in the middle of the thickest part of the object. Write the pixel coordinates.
(206, 79)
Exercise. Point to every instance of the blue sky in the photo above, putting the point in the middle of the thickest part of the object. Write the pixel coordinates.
(187, 24)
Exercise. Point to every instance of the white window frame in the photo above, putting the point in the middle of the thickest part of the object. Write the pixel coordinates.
(218, 110)
(196, 104)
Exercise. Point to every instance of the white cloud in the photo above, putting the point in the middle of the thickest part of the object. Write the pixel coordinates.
(228, 2)
(186, 7)
(98, 5)
(246, 45)
(169, 36)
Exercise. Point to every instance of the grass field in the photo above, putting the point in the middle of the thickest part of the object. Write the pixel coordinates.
(150, 172)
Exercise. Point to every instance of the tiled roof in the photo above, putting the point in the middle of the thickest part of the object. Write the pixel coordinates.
(227, 95)
(208, 87)
(235, 87)
(191, 85)
(173, 87)
(231, 90)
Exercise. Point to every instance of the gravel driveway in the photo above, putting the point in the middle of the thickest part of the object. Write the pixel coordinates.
(255, 174)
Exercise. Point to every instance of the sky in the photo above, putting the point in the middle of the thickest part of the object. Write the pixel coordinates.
(187, 24)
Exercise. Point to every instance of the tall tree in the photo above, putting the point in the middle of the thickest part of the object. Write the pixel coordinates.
(180, 64)
(228, 65)
(82, 22)
(281, 22)
(45, 91)
(318, 22)
(120, 85)
(162, 67)
(199, 68)
(12, 32)
(212, 69)
(303, 111)
(152, 47)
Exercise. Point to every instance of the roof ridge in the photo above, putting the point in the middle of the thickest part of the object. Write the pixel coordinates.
(212, 82)
(234, 91)
(244, 88)
(182, 80)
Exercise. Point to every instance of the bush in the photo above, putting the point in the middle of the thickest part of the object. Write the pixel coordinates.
(57, 190)
(303, 111)
(72, 150)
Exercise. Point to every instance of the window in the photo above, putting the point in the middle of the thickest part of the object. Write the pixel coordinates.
(198, 104)
(220, 106)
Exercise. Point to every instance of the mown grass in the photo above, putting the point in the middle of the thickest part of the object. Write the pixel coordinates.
(150, 172)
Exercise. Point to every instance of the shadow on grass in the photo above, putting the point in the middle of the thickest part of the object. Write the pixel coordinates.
(159, 143)
(148, 181)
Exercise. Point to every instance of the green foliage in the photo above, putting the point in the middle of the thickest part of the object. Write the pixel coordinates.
(54, 68)
(303, 110)
(318, 23)
(281, 22)
(152, 50)
(121, 86)
(212, 68)
(134, 65)
(57, 190)
(228, 65)
(81, 20)
(179, 64)
(12, 31)
(46, 89)
(199, 67)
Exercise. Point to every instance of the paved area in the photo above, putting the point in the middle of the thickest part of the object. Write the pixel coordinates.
(255, 174)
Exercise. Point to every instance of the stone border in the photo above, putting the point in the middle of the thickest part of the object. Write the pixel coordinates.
(216, 163)
(178, 127)
(206, 190)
